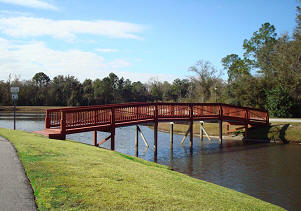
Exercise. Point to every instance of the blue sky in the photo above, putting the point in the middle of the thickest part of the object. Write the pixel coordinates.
(136, 39)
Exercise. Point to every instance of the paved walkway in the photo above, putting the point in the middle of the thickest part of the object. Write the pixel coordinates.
(15, 190)
(284, 120)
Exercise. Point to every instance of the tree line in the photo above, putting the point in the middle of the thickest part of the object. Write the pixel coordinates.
(267, 75)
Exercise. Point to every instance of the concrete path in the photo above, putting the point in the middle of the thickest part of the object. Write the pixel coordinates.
(15, 190)
(284, 120)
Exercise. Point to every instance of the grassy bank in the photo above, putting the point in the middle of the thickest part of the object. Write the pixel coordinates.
(27, 109)
(66, 175)
(211, 128)
(277, 131)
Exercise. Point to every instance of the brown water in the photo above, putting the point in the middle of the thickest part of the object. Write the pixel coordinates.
(271, 172)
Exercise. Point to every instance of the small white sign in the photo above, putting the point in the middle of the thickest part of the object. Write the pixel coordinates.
(14, 90)
(14, 96)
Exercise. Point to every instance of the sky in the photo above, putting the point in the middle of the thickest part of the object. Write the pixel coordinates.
(136, 39)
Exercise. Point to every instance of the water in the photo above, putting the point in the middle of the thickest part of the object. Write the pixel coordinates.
(271, 172)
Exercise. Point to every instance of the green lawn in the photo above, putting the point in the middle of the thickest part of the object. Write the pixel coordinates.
(66, 175)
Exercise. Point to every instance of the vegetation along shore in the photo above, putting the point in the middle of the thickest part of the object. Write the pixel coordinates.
(282, 132)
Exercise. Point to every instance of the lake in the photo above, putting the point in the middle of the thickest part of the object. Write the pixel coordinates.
(271, 172)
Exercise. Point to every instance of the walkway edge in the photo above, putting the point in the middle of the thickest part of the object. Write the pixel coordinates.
(16, 192)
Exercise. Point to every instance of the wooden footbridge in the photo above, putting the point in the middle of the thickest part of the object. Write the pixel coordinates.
(59, 122)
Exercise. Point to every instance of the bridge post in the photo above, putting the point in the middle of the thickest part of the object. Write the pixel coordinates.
(95, 138)
(136, 140)
(201, 131)
(63, 126)
(221, 116)
(47, 120)
(171, 133)
(227, 127)
(113, 129)
(113, 138)
(155, 132)
(191, 133)
(246, 123)
(220, 131)
(191, 125)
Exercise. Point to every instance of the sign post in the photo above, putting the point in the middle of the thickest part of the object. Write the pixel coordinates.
(14, 95)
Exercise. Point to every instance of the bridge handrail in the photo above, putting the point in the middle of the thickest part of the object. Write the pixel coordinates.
(84, 116)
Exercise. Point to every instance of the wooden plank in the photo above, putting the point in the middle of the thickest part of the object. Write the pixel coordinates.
(104, 140)
(142, 136)
(185, 136)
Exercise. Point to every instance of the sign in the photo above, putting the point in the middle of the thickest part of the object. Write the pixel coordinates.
(14, 96)
(14, 90)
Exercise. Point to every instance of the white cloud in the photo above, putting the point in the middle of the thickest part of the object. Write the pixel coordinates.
(31, 3)
(26, 59)
(67, 29)
(8, 13)
(107, 50)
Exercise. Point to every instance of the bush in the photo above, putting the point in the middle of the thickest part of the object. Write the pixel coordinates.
(278, 102)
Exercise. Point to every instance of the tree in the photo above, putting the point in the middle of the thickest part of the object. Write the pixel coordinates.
(297, 33)
(5, 98)
(235, 66)
(139, 92)
(41, 82)
(156, 89)
(41, 79)
(260, 48)
(66, 90)
(205, 82)
(125, 91)
(88, 92)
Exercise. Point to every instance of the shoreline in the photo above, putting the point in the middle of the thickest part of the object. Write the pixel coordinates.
(28, 109)
(275, 138)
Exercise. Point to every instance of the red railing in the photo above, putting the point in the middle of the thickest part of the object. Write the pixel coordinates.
(131, 113)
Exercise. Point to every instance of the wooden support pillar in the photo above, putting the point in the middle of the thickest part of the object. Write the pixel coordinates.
(227, 127)
(171, 157)
(220, 131)
(191, 125)
(201, 131)
(95, 137)
(47, 120)
(136, 140)
(171, 133)
(246, 130)
(155, 139)
(113, 129)
(191, 133)
(113, 138)
(63, 125)
(246, 123)
(171, 146)
(155, 132)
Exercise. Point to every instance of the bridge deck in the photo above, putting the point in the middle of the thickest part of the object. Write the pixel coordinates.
(59, 122)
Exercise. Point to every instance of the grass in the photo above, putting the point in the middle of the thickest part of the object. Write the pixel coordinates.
(278, 131)
(211, 128)
(66, 175)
